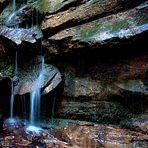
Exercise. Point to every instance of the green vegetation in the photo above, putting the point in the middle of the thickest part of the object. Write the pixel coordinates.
(142, 19)
(45, 6)
(98, 1)
(86, 34)
(119, 25)
(6, 69)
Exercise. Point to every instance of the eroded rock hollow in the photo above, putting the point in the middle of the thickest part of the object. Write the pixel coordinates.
(89, 60)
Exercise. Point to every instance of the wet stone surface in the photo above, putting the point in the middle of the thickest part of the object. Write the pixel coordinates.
(74, 134)
(28, 74)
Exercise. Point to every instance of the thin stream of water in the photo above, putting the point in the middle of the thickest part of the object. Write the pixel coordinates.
(11, 101)
(14, 5)
(35, 98)
(35, 106)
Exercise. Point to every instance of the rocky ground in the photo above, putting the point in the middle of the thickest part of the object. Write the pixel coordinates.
(99, 47)
(74, 134)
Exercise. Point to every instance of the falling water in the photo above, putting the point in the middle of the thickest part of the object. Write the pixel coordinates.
(13, 14)
(35, 106)
(33, 17)
(14, 5)
(12, 101)
(35, 98)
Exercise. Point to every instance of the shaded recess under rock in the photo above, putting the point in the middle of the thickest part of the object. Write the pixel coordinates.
(100, 47)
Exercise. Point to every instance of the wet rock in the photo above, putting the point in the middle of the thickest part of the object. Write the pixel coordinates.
(93, 34)
(139, 124)
(80, 134)
(11, 16)
(88, 110)
(1, 1)
(54, 6)
(92, 90)
(111, 137)
(76, 87)
(32, 75)
(33, 133)
(82, 11)
(102, 136)
(135, 86)
(29, 78)
(28, 138)
(18, 35)
(102, 79)
(11, 125)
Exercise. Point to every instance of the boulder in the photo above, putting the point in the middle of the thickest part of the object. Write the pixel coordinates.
(32, 77)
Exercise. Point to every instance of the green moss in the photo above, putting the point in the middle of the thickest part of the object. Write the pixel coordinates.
(86, 34)
(45, 6)
(125, 122)
(42, 6)
(119, 25)
(98, 1)
(142, 19)
(9, 71)
(6, 68)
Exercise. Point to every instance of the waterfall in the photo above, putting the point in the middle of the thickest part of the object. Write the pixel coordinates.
(35, 106)
(12, 88)
(35, 98)
(14, 5)
(14, 13)
(11, 101)
(32, 17)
